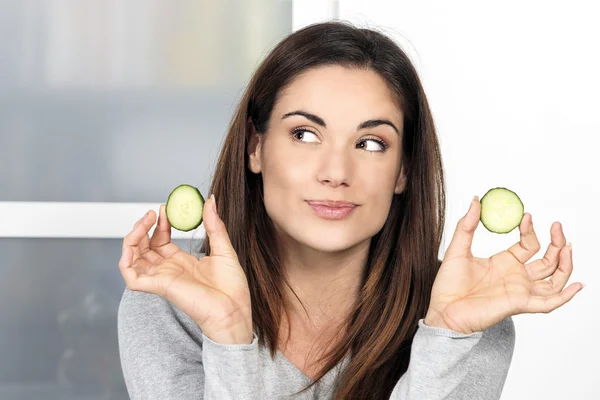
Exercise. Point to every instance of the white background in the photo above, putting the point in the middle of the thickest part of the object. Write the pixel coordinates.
(514, 88)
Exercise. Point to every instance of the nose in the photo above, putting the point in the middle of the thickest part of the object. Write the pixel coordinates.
(335, 168)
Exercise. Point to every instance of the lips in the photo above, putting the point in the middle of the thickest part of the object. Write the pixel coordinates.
(332, 210)
(331, 203)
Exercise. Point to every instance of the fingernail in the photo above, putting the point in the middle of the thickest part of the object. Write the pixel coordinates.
(214, 202)
(475, 198)
(530, 223)
(570, 246)
(139, 221)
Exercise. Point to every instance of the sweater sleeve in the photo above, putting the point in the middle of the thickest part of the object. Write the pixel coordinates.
(165, 355)
(452, 366)
(233, 371)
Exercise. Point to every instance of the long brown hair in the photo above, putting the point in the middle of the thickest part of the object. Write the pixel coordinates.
(403, 255)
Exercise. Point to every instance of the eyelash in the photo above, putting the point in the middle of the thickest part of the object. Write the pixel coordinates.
(383, 144)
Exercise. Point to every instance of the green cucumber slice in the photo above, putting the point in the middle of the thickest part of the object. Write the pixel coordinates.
(184, 208)
(501, 210)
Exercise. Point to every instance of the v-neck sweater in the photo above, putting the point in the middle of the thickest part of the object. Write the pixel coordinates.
(165, 355)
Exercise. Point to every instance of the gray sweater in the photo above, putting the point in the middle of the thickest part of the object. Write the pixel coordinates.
(164, 355)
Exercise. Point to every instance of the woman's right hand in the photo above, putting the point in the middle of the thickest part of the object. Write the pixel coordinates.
(212, 290)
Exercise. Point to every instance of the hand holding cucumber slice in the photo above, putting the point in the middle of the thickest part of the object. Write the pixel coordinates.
(211, 289)
(184, 208)
(501, 210)
(471, 294)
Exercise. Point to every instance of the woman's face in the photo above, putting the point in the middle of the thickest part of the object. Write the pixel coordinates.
(335, 134)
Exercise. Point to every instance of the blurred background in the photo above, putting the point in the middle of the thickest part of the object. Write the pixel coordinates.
(107, 105)
(103, 104)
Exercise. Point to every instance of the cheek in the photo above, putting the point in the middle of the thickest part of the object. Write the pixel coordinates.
(284, 169)
(376, 181)
(377, 191)
(379, 202)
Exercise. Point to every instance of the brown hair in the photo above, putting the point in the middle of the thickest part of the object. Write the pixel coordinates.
(403, 255)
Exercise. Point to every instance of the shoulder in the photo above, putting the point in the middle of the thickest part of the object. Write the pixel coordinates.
(160, 348)
(149, 318)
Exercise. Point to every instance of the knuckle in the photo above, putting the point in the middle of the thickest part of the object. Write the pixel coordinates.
(547, 263)
(523, 246)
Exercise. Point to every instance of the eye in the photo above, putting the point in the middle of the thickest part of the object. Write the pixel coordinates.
(373, 145)
(300, 134)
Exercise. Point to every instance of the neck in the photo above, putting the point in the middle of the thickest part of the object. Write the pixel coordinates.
(327, 285)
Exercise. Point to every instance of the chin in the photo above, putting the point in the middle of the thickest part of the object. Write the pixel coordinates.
(330, 247)
(331, 242)
(321, 235)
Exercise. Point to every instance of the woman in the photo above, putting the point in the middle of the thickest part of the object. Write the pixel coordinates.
(320, 275)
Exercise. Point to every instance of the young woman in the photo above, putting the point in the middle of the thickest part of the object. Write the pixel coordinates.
(319, 277)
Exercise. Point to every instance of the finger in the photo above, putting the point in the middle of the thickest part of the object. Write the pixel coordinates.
(461, 242)
(138, 237)
(161, 237)
(162, 233)
(125, 266)
(220, 244)
(164, 285)
(135, 279)
(528, 245)
(544, 267)
(546, 304)
(561, 276)
(142, 265)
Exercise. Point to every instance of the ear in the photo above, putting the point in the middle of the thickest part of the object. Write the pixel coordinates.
(401, 182)
(254, 148)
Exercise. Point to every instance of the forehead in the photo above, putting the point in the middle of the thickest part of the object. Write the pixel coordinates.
(339, 92)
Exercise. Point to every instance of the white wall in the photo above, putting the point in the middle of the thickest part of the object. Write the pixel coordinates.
(514, 89)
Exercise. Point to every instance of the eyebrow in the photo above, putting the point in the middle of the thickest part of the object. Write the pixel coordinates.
(319, 121)
(312, 117)
(376, 122)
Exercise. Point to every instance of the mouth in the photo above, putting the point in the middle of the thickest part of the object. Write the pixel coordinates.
(332, 210)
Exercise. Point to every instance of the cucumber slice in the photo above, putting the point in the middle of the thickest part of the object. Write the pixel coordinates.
(184, 208)
(501, 210)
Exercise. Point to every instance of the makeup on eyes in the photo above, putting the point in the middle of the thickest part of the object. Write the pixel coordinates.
(384, 145)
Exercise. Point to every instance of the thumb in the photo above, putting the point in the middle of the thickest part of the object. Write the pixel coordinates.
(465, 230)
(220, 244)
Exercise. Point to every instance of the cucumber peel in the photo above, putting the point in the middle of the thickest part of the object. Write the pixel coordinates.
(184, 208)
(501, 210)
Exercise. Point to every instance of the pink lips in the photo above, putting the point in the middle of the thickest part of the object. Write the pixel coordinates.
(331, 209)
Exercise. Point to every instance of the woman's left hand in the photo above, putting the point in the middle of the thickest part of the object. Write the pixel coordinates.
(470, 294)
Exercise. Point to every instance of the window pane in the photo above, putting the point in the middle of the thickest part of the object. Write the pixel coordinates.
(112, 100)
(59, 300)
